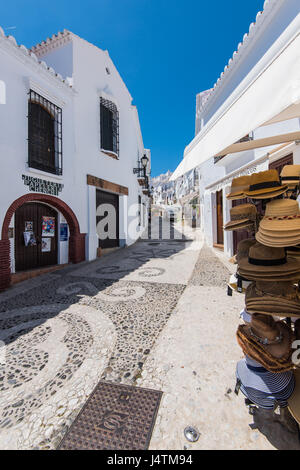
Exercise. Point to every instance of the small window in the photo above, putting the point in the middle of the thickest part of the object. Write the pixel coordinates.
(44, 134)
(109, 126)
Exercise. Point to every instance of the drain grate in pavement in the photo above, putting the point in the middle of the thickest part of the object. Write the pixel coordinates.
(115, 417)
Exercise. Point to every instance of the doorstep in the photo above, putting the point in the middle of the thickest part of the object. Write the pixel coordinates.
(24, 275)
(106, 251)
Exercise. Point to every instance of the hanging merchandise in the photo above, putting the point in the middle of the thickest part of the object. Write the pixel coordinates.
(263, 388)
(29, 239)
(273, 298)
(281, 224)
(268, 342)
(290, 175)
(238, 187)
(242, 217)
(266, 263)
(48, 226)
(265, 185)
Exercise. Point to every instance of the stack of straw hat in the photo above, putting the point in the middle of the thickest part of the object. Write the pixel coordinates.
(268, 272)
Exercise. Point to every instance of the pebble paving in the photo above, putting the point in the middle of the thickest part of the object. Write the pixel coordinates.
(64, 335)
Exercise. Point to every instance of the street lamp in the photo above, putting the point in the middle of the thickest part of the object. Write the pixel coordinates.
(144, 161)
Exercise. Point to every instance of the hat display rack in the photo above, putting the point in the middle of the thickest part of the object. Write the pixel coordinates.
(268, 274)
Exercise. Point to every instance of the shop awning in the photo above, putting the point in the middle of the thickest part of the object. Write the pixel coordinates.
(270, 93)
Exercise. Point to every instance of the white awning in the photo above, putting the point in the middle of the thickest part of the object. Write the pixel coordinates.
(273, 95)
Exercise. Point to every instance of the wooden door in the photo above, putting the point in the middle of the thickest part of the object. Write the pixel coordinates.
(219, 202)
(34, 247)
(112, 233)
(279, 164)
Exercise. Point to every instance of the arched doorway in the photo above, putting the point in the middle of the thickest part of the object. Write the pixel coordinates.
(36, 236)
(76, 240)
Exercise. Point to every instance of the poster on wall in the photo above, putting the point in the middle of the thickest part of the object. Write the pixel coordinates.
(29, 239)
(48, 226)
(63, 232)
(28, 226)
(46, 245)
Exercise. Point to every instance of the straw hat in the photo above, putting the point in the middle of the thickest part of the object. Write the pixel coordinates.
(268, 263)
(265, 185)
(290, 175)
(243, 248)
(267, 342)
(242, 216)
(252, 376)
(281, 224)
(294, 400)
(273, 298)
(238, 186)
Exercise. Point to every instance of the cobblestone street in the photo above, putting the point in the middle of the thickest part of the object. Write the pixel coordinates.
(154, 315)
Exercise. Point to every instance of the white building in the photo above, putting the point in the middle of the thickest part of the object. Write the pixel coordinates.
(249, 121)
(70, 139)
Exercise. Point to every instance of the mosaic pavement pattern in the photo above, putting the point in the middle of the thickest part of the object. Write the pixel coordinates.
(80, 326)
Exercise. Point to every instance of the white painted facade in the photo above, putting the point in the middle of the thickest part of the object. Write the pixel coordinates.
(247, 64)
(73, 74)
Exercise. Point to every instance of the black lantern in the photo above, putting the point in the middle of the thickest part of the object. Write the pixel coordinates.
(144, 161)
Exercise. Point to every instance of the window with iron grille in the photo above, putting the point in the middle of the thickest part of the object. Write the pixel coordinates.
(44, 134)
(109, 126)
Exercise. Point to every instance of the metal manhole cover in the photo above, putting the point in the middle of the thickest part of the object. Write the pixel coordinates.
(115, 417)
(191, 434)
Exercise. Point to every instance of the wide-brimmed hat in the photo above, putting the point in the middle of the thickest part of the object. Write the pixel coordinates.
(268, 263)
(273, 298)
(290, 175)
(265, 185)
(242, 216)
(238, 187)
(243, 248)
(267, 342)
(253, 375)
(281, 224)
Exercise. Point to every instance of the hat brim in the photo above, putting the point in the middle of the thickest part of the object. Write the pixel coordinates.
(290, 267)
(235, 195)
(244, 225)
(266, 193)
(274, 313)
(279, 350)
(275, 242)
(232, 223)
(263, 381)
(253, 276)
(284, 225)
(294, 400)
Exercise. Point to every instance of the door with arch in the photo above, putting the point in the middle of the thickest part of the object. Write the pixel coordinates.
(35, 236)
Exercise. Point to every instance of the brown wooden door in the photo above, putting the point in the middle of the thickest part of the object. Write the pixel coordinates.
(279, 164)
(219, 202)
(43, 250)
(112, 239)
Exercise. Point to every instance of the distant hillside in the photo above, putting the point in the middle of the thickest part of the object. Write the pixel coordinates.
(163, 178)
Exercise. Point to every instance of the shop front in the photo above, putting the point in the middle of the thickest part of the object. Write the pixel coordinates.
(38, 230)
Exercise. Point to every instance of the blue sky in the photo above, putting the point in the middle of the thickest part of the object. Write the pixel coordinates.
(165, 50)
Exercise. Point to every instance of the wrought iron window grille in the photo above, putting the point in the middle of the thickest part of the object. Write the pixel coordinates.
(44, 134)
(109, 126)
